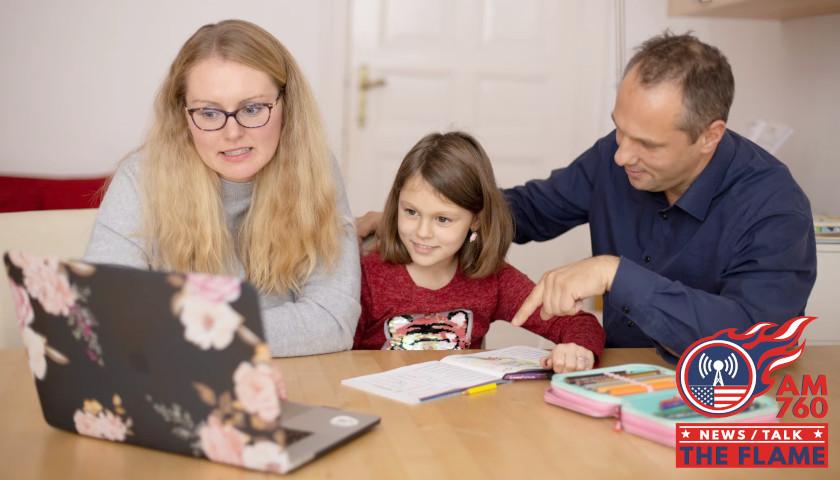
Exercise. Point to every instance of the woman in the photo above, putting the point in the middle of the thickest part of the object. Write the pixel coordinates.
(235, 177)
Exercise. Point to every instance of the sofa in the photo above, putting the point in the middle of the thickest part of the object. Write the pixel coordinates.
(61, 233)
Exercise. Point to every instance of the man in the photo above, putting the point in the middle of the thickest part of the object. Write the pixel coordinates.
(694, 228)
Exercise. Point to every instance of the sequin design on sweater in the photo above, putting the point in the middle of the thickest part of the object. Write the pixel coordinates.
(450, 330)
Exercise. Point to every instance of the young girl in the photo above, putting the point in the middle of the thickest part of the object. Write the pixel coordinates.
(235, 177)
(439, 278)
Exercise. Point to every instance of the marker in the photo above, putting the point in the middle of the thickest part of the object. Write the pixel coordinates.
(584, 380)
(535, 375)
(673, 402)
(609, 387)
(480, 389)
(631, 389)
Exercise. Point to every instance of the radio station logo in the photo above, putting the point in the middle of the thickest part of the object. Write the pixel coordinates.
(720, 375)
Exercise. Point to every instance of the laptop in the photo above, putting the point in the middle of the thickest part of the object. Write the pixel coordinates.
(169, 361)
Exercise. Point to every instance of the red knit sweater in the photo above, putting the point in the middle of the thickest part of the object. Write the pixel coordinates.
(397, 314)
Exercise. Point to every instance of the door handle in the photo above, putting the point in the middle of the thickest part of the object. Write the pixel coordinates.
(365, 84)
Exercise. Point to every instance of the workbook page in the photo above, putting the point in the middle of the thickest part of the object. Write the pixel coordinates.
(502, 361)
(419, 382)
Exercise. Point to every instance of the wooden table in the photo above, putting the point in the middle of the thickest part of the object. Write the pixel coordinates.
(508, 433)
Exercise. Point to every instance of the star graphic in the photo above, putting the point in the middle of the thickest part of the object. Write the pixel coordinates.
(817, 433)
(686, 433)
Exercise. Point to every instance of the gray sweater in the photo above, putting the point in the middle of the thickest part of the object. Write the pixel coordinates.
(321, 318)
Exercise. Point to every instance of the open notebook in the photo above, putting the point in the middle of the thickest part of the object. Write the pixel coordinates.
(453, 375)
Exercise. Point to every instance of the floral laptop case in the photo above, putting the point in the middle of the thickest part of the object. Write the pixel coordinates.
(168, 361)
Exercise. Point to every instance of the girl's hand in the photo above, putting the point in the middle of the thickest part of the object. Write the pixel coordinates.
(569, 357)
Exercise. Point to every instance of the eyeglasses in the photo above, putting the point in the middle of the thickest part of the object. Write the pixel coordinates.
(253, 115)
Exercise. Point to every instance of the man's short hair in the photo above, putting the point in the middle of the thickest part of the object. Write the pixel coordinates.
(701, 70)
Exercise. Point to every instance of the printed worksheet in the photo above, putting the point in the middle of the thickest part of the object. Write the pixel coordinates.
(420, 382)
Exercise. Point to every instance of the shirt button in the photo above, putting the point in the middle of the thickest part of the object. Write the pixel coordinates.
(631, 324)
(664, 215)
(625, 309)
(647, 259)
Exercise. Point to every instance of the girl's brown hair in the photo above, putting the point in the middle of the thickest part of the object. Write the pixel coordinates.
(456, 166)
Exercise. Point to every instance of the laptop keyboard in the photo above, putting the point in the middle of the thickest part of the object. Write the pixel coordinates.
(293, 435)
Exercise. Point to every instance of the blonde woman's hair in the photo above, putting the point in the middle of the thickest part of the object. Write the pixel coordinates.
(457, 167)
(292, 223)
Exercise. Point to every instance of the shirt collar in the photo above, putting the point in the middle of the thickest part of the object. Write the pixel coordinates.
(698, 198)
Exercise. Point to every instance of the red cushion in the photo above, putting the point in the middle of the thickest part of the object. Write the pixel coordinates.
(23, 193)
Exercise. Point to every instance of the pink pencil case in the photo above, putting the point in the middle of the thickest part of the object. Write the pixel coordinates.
(643, 398)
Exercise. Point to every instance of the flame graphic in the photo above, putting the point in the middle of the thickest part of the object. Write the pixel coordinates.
(771, 347)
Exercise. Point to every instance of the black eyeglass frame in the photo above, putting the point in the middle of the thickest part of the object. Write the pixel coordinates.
(234, 113)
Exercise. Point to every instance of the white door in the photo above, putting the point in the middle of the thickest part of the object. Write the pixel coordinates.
(533, 80)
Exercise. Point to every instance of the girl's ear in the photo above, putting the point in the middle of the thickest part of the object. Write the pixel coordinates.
(473, 230)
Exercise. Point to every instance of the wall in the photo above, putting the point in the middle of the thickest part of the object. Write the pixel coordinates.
(785, 72)
(812, 94)
(79, 77)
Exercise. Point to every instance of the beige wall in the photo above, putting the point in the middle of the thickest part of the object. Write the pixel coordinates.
(785, 72)
(812, 78)
(79, 76)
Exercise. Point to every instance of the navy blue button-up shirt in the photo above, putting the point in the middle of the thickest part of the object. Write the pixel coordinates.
(735, 249)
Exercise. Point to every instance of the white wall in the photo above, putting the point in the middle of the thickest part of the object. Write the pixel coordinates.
(79, 77)
(786, 72)
(812, 92)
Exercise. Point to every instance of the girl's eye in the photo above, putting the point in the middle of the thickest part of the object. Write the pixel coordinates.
(444, 219)
(410, 211)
